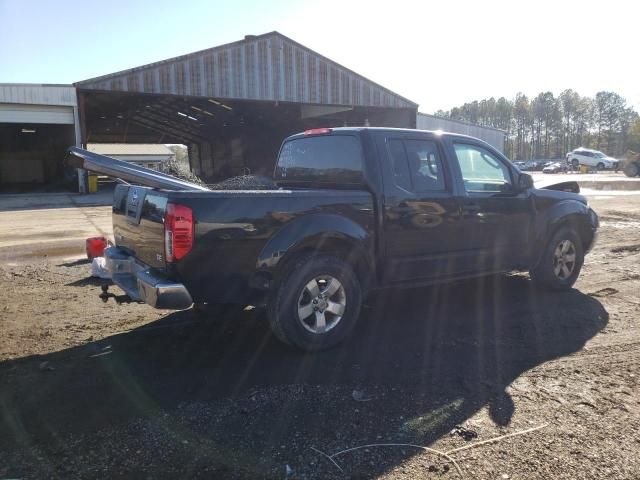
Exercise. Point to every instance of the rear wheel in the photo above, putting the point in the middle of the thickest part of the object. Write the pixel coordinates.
(600, 166)
(316, 303)
(561, 261)
(631, 169)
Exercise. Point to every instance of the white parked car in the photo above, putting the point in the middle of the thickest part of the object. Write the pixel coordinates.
(591, 158)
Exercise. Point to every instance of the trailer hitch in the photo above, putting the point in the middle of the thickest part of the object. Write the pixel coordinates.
(120, 299)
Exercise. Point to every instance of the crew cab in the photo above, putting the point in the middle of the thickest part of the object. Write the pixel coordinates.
(350, 210)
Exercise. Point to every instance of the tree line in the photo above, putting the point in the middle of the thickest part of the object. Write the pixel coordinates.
(546, 126)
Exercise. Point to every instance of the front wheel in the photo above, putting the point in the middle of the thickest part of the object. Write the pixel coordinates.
(600, 166)
(575, 164)
(316, 303)
(631, 170)
(561, 261)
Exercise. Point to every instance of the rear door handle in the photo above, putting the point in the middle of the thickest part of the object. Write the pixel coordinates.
(403, 207)
(471, 208)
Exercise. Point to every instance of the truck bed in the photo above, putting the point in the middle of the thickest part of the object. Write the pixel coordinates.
(233, 230)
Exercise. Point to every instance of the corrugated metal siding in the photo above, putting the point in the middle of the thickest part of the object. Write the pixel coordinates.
(269, 67)
(492, 136)
(50, 114)
(32, 94)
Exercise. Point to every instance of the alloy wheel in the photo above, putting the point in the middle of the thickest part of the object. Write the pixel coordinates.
(564, 259)
(321, 304)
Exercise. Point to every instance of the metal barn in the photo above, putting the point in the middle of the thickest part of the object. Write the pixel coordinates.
(232, 105)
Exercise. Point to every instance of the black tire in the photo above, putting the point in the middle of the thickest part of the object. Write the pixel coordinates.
(631, 169)
(546, 273)
(575, 164)
(600, 166)
(292, 295)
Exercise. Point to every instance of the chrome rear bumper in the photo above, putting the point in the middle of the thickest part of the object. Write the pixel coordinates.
(141, 284)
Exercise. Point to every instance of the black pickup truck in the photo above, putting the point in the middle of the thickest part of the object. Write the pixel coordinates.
(350, 210)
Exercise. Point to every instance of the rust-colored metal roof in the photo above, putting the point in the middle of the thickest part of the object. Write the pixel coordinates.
(269, 67)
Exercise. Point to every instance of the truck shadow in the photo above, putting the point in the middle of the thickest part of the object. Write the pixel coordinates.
(426, 359)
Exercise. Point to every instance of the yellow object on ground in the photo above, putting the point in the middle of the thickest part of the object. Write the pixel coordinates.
(584, 169)
(93, 183)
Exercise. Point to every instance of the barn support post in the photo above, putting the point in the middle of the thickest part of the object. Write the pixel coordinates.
(81, 140)
(193, 151)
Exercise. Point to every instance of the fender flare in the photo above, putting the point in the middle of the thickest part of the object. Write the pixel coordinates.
(311, 231)
(571, 212)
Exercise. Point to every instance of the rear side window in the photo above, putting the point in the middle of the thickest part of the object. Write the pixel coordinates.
(416, 165)
(325, 159)
(425, 166)
(399, 164)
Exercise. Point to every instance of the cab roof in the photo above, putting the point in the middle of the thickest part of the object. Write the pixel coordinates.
(329, 130)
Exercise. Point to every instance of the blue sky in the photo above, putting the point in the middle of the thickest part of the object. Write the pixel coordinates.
(438, 54)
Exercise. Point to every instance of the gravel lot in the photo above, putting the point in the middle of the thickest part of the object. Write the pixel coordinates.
(91, 390)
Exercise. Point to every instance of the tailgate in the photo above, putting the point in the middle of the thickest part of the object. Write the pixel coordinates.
(138, 222)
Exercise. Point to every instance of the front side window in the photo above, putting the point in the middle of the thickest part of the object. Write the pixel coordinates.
(325, 159)
(481, 171)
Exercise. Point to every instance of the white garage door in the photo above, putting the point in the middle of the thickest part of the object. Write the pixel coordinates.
(53, 114)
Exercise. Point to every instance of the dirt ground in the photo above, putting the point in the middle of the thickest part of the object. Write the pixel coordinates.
(54, 226)
(93, 390)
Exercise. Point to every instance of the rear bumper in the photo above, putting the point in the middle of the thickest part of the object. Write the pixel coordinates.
(142, 284)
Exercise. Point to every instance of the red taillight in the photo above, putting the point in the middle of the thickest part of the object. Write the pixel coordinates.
(178, 231)
(317, 131)
(95, 247)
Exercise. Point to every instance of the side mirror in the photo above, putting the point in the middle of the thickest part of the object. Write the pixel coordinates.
(525, 182)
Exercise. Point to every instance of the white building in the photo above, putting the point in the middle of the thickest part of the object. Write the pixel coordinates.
(492, 136)
(37, 124)
(149, 155)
